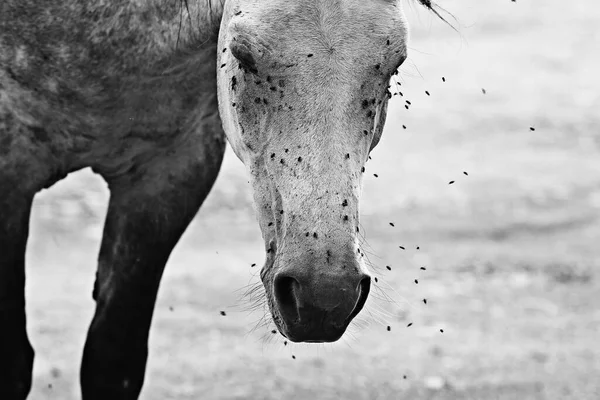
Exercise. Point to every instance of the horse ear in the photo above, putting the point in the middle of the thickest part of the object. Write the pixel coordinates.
(242, 51)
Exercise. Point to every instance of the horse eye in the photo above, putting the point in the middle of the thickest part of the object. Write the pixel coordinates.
(241, 51)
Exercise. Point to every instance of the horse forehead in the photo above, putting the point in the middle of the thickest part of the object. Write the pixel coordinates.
(319, 17)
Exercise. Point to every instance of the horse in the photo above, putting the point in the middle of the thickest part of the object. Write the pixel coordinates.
(147, 93)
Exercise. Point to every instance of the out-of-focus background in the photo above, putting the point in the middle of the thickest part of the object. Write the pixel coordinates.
(512, 249)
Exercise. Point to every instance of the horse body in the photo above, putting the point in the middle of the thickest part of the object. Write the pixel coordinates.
(108, 87)
(130, 89)
(103, 86)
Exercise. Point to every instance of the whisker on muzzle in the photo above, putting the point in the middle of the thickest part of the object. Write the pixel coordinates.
(382, 308)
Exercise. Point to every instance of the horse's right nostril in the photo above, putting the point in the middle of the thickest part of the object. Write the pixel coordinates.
(286, 290)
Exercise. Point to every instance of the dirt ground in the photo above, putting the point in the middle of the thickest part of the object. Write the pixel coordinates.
(512, 249)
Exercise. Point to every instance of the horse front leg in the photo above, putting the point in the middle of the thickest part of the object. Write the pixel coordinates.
(147, 214)
(16, 353)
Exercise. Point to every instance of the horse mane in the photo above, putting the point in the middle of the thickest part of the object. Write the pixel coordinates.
(437, 10)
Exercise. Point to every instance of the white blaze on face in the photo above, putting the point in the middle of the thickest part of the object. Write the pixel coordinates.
(302, 95)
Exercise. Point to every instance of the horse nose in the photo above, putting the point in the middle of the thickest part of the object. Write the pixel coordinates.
(317, 307)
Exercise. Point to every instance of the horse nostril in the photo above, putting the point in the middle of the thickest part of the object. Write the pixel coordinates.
(365, 285)
(286, 289)
(363, 293)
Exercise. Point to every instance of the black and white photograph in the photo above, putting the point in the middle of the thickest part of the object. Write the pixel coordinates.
(299, 200)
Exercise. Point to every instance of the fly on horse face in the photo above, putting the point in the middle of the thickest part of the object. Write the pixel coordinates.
(146, 94)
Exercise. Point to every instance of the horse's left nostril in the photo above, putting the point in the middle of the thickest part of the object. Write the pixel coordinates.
(363, 289)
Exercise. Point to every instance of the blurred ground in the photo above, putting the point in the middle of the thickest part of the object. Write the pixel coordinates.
(511, 250)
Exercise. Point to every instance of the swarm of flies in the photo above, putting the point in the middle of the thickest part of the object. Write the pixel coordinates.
(254, 292)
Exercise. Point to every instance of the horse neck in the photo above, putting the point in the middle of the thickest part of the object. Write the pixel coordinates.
(202, 17)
